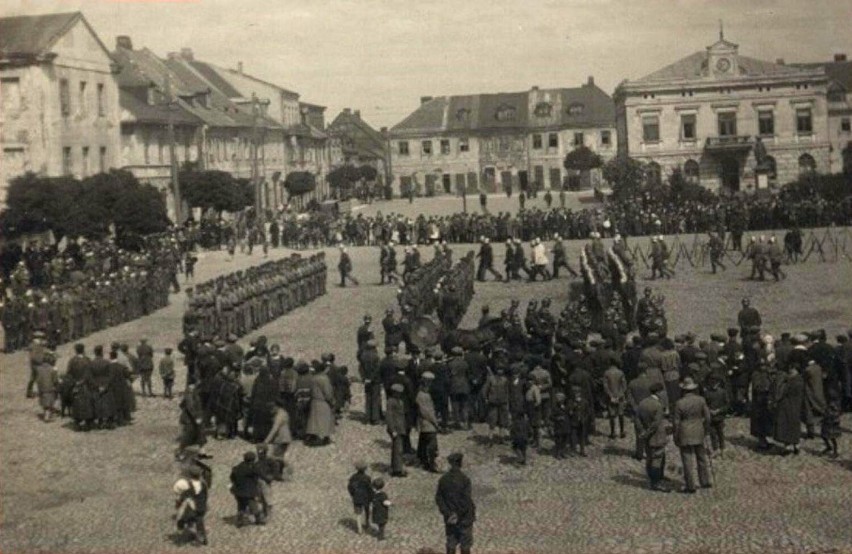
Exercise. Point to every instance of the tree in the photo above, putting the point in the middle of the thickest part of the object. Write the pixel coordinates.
(39, 203)
(299, 183)
(582, 159)
(342, 178)
(368, 172)
(214, 189)
(625, 175)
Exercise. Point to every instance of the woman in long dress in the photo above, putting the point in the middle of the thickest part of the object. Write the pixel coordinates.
(321, 417)
(788, 400)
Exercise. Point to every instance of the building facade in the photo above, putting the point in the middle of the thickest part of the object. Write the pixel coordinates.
(707, 113)
(60, 102)
(491, 142)
(360, 144)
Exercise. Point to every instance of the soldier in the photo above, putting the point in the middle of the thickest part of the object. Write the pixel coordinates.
(717, 250)
(560, 259)
(345, 267)
(776, 256)
(486, 261)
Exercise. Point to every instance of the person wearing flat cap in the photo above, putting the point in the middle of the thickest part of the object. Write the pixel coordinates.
(692, 420)
(455, 502)
(651, 427)
(397, 427)
(427, 424)
(370, 367)
(459, 372)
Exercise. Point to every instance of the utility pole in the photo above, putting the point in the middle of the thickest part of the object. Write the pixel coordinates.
(170, 105)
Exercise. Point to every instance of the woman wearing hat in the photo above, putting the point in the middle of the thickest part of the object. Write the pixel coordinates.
(787, 403)
(320, 424)
(47, 384)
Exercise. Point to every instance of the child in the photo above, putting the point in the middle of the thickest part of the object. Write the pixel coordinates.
(831, 427)
(381, 506)
(578, 415)
(561, 425)
(191, 503)
(189, 266)
(167, 373)
(361, 492)
(520, 433)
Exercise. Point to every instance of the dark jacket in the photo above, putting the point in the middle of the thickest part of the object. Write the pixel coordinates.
(360, 489)
(245, 480)
(454, 497)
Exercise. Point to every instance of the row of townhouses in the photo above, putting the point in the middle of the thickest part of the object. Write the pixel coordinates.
(704, 114)
(72, 106)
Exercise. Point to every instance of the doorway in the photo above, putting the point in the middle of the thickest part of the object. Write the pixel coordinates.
(729, 173)
(523, 181)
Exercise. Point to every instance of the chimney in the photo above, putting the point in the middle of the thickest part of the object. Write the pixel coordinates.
(779, 61)
(591, 81)
(384, 131)
(535, 87)
(186, 54)
(240, 68)
(347, 111)
(173, 55)
(840, 57)
(357, 114)
(123, 41)
(424, 99)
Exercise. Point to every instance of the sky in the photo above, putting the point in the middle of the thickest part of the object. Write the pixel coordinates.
(381, 56)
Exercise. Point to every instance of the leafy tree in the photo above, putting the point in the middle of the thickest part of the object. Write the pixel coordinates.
(39, 203)
(368, 172)
(213, 189)
(298, 183)
(582, 158)
(625, 175)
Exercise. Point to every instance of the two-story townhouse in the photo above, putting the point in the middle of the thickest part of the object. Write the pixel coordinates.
(60, 102)
(710, 112)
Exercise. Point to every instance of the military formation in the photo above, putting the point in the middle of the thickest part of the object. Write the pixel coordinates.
(242, 301)
(84, 291)
(418, 297)
(455, 291)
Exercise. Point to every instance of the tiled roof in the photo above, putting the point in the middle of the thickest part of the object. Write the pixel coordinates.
(840, 72)
(143, 112)
(505, 111)
(695, 68)
(360, 137)
(209, 73)
(31, 35)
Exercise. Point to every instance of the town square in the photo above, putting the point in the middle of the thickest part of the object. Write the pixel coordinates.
(606, 312)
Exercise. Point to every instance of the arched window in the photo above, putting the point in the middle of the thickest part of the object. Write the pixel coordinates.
(543, 109)
(773, 168)
(505, 113)
(807, 164)
(654, 173)
(691, 171)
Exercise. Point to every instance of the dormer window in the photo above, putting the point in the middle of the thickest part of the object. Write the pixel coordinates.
(576, 109)
(506, 113)
(463, 115)
(543, 109)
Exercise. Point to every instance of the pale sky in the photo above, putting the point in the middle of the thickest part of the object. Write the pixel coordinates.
(381, 56)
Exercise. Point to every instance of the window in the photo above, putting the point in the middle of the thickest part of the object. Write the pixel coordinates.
(543, 109)
(651, 128)
(553, 140)
(505, 113)
(10, 94)
(804, 121)
(445, 146)
(807, 164)
(102, 166)
(579, 139)
(462, 114)
(845, 125)
(691, 171)
(727, 124)
(83, 97)
(85, 160)
(538, 178)
(65, 97)
(66, 160)
(766, 123)
(536, 141)
(687, 127)
(101, 101)
(606, 139)
(576, 109)
(403, 147)
(464, 145)
(426, 147)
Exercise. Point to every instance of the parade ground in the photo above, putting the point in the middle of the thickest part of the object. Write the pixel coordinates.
(111, 491)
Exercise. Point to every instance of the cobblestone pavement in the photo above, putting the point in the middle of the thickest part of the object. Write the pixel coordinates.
(110, 491)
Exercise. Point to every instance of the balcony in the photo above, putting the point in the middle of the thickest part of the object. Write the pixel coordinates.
(728, 143)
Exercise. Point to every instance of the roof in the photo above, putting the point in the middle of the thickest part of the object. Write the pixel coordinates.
(504, 111)
(361, 137)
(210, 73)
(34, 35)
(839, 72)
(225, 72)
(143, 112)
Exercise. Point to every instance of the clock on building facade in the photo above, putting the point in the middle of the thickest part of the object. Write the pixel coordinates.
(723, 65)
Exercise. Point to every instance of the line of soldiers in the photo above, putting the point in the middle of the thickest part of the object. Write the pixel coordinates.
(765, 256)
(240, 302)
(418, 297)
(455, 291)
(75, 310)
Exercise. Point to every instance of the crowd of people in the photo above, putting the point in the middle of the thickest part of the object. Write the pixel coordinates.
(242, 301)
(69, 293)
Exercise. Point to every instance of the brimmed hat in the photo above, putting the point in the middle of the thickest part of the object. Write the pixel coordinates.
(689, 384)
(397, 387)
(427, 375)
(457, 350)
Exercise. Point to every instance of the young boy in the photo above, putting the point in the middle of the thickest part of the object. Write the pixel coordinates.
(361, 492)
(520, 433)
(578, 415)
(167, 373)
(831, 427)
(381, 506)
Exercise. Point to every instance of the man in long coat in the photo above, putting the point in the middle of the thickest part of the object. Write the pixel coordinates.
(321, 417)
(78, 377)
(456, 505)
(815, 404)
(652, 429)
(102, 388)
(371, 375)
(691, 418)
(397, 427)
(787, 401)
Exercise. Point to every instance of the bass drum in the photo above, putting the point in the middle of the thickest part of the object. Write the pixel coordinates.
(424, 332)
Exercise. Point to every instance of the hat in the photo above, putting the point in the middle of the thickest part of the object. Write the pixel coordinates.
(457, 350)
(368, 317)
(38, 334)
(455, 458)
(371, 343)
(427, 375)
(689, 384)
(360, 465)
(232, 337)
(218, 343)
(397, 387)
(733, 331)
(701, 355)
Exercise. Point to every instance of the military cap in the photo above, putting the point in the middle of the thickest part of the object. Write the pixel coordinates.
(689, 384)
(457, 350)
(427, 375)
(701, 355)
(717, 337)
(397, 387)
(455, 458)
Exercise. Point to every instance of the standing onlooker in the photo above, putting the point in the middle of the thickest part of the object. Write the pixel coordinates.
(47, 384)
(397, 428)
(280, 438)
(345, 267)
(167, 372)
(381, 505)
(191, 505)
(427, 424)
(652, 428)
(361, 492)
(145, 364)
(788, 402)
(615, 387)
(455, 503)
(691, 418)
(245, 486)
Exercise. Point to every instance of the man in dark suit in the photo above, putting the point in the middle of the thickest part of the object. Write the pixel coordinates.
(652, 429)
(455, 503)
(638, 389)
(486, 261)
(371, 375)
(245, 486)
(364, 334)
(691, 423)
(345, 267)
